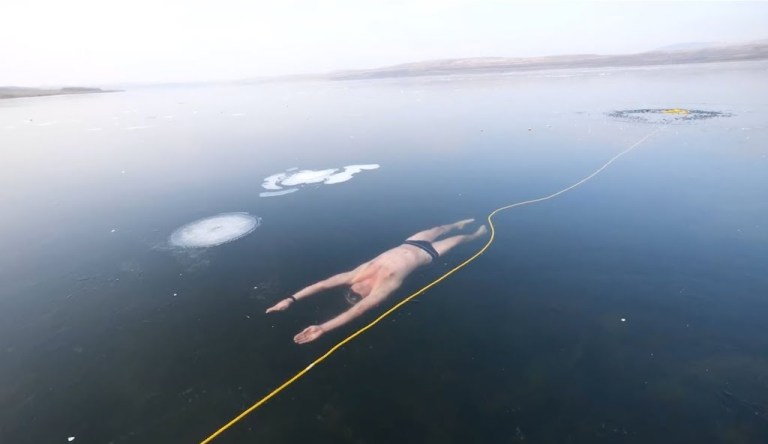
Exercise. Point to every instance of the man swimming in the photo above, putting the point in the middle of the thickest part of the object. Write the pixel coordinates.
(376, 279)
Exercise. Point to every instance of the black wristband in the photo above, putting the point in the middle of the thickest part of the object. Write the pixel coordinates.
(292, 298)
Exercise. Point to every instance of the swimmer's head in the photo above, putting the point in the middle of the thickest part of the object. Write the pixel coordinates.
(362, 288)
(352, 297)
(358, 291)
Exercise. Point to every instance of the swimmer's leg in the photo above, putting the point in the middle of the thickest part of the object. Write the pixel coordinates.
(433, 233)
(443, 246)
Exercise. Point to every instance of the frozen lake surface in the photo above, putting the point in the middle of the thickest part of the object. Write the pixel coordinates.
(631, 309)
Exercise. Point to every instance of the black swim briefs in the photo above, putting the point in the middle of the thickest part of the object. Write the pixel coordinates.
(424, 245)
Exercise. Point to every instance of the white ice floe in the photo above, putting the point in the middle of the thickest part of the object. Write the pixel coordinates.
(304, 177)
(347, 173)
(271, 182)
(216, 230)
(293, 178)
(137, 127)
(71, 438)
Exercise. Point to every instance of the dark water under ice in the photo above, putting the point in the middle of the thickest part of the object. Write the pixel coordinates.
(109, 335)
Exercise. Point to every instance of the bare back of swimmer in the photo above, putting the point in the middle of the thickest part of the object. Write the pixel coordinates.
(376, 279)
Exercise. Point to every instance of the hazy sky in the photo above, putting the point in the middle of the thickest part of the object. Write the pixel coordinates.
(52, 42)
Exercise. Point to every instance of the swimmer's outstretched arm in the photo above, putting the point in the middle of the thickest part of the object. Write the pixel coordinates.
(377, 295)
(333, 281)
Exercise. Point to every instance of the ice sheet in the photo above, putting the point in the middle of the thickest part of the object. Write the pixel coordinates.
(215, 230)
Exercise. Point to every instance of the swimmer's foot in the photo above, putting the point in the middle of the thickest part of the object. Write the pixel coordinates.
(461, 224)
(480, 232)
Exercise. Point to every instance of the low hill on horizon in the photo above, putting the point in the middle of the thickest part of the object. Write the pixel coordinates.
(691, 53)
(15, 92)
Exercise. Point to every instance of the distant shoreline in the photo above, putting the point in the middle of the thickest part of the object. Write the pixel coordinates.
(13, 92)
(485, 65)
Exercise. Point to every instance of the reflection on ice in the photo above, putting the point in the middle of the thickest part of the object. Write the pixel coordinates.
(277, 193)
(215, 230)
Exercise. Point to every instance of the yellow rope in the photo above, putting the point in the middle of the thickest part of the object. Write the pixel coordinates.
(422, 290)
(678, 111)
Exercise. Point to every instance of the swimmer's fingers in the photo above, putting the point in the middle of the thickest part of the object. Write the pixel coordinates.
(303, 337)
(280, 306)
(309, 334)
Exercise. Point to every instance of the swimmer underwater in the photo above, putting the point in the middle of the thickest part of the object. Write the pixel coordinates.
(378, 278)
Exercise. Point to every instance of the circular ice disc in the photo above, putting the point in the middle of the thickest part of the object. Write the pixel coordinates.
(215, 230)
(666, 115)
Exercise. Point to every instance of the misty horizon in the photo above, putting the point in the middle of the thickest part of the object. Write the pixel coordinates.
(88, 43)
(679, 46)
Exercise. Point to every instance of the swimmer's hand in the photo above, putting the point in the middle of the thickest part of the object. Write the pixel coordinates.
(280, 306)
(309, 334)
